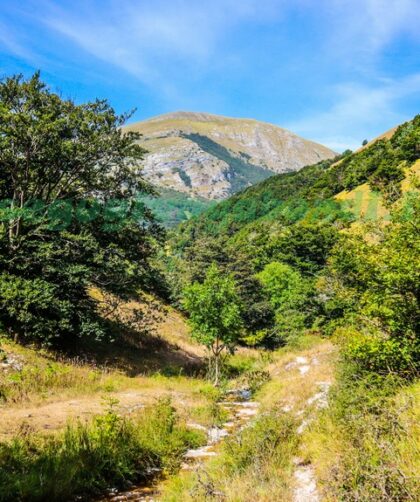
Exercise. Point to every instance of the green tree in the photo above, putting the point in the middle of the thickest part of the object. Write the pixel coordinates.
(68, 179)
(289, 296)
(376, 283)
(214, 314)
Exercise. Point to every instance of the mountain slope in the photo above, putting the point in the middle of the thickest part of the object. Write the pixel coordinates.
(383, 164)
(213, 157)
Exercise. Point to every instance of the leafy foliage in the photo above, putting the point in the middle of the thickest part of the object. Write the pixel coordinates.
(289, 295)
(214, 313)
(293, 219)
(377, 284)
(56, 156)
(171, 207)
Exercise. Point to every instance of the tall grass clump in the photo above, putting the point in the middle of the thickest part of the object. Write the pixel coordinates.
(87, 458)
(253, 464)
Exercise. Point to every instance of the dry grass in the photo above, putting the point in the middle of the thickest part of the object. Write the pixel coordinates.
(266, 474)
(408, 447)
(374, 456)
(45, 393)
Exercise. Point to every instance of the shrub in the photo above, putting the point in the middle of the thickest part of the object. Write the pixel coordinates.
(383, 355)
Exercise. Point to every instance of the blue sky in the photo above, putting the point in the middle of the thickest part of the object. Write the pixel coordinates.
(335, 71)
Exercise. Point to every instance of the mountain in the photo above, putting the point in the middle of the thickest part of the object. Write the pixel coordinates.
(212, 157)
(356, 186)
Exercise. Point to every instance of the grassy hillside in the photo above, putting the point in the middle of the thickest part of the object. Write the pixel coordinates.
(367, 204)
(377, 169)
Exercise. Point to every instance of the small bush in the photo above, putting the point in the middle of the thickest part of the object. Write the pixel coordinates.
(376, 353)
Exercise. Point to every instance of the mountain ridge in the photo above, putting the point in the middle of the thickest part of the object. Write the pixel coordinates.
(212, 156)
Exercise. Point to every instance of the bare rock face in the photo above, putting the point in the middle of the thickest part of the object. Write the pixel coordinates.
(213, 156)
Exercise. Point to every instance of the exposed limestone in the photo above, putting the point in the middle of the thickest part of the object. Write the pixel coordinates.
(213, 156)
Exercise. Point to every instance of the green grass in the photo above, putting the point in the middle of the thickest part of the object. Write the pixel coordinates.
(367, 445)
(86, 459)
(254, 464)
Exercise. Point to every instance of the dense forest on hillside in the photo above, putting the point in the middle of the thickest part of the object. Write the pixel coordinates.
(290, 195)
(171, 207)
(292, 225)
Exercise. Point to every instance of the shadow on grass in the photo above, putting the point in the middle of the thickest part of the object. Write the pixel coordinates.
(134, 354)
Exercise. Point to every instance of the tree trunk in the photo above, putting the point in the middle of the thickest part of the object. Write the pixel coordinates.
(216, 369)
(217, 349)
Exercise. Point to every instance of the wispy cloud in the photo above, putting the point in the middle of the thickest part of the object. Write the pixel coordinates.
(363, 28)
(266, 58)
(150, 38)
(355, 111)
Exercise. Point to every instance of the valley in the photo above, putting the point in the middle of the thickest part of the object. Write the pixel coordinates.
(264, 348)
(199, 157)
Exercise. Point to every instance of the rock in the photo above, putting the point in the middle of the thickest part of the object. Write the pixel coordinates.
(211, 156)
(305, 490)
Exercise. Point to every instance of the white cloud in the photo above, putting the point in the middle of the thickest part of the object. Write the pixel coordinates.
(364, 28)
(172, 46)
(149, 38)
(356, 111)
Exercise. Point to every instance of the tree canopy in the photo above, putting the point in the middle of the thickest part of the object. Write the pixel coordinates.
(69, 177)
(214, 313)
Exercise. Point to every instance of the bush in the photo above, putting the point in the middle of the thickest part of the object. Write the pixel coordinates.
(370, 431)
(383, 355)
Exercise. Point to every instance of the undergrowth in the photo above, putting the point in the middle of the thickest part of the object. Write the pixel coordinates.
(254, 464)
(86, 459)
(366, 447)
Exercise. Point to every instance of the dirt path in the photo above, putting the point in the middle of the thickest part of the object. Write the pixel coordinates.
(55, 415)
(315, 371)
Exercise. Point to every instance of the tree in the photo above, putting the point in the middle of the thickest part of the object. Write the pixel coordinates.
(289, 296)
(69, 177)
(376, 281)
(214, 314)
(365, 142)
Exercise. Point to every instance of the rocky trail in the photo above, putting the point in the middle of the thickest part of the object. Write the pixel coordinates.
(241, 409)
(305, 489)
(305, 372)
